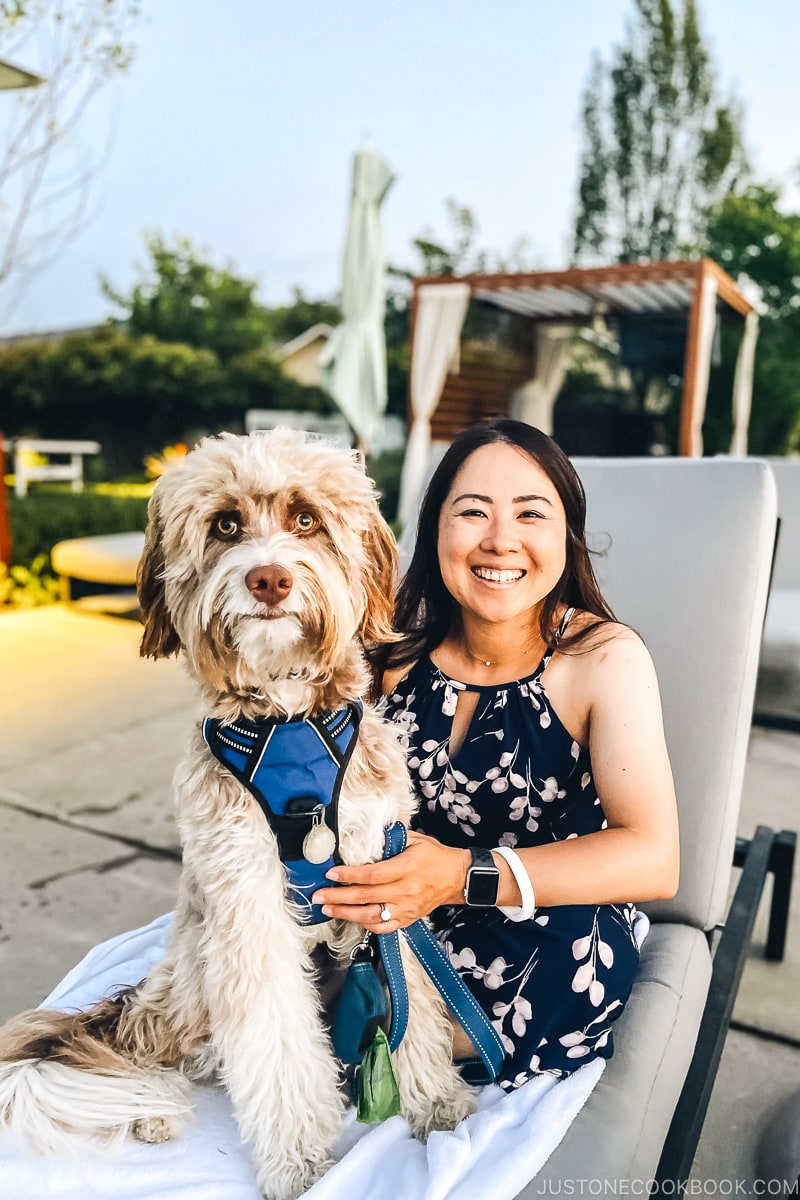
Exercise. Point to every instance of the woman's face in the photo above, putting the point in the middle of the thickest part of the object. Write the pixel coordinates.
(502, 534)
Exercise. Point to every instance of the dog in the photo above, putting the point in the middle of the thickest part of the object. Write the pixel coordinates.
(268, 566)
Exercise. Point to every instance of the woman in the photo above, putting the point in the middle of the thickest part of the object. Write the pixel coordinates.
(536, 747)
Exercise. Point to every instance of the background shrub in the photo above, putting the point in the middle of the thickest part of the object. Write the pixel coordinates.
(42, 518)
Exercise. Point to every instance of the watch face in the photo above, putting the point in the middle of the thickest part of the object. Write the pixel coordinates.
(482, 886)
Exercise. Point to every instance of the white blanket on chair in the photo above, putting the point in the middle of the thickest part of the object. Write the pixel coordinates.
(495, 1152)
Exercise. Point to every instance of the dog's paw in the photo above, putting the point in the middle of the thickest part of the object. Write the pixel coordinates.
(157, 1129)
(444, 1112)
(291, 1183)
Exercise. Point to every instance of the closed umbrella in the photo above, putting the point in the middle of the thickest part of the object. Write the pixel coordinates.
(353, 363)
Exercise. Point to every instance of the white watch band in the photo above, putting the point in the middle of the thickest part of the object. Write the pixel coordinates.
(528, 906)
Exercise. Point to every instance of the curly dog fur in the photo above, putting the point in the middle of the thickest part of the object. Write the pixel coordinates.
(267, 565)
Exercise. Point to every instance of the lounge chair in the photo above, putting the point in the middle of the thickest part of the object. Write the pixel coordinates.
(689, 547)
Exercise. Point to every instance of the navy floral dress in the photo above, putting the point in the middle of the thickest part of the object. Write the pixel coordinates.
(551, 986)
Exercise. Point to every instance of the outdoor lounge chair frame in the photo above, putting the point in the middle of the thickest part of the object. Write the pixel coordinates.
(765, 853)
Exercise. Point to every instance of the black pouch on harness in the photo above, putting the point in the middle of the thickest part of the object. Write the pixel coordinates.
(361, 1008)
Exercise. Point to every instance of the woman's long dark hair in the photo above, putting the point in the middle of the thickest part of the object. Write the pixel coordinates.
(425, 611)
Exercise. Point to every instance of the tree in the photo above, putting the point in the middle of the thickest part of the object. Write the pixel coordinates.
(46, 174)
(288, 321)
(660, 146)
(753, 237)
(749, 234)
(183, 298)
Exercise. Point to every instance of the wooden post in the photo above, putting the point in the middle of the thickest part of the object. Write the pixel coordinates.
(5, 523)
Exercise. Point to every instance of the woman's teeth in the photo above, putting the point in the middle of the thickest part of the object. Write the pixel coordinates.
(497, 576)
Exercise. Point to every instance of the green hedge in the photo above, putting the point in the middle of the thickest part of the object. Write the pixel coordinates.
(41, 519)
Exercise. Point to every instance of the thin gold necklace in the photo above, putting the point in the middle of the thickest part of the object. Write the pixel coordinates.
(489, 662)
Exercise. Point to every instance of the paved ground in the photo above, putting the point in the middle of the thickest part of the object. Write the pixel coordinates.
(89, 738)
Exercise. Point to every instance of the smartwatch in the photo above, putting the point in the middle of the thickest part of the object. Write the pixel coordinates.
(483, 879)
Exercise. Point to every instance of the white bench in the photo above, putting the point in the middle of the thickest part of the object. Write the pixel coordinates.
(26, 471)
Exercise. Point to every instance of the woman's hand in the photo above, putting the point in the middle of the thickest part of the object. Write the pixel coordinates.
(410, 885)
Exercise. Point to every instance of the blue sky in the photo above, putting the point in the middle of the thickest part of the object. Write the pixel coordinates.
(236, 125)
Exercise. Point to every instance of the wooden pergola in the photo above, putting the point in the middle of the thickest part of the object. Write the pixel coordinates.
(700, 289)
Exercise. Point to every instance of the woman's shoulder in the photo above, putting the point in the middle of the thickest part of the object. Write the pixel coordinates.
(604, 648)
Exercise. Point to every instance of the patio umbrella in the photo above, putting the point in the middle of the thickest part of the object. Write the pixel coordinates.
(353, 363)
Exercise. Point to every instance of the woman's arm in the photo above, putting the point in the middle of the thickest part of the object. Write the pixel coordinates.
(637, 856)
(634, 858)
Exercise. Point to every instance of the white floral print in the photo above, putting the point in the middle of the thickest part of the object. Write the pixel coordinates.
(552, 986)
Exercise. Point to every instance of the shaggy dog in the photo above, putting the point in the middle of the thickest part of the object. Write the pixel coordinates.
(268, 565)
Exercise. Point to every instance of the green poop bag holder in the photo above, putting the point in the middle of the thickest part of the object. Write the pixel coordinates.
(357, 1030)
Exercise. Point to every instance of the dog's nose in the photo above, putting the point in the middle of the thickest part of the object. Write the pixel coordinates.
(269, 585)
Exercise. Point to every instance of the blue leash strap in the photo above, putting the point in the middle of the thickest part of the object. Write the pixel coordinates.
(442, 973)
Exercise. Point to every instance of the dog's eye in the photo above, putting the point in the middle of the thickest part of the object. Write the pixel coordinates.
(227, 526)
(305, 522)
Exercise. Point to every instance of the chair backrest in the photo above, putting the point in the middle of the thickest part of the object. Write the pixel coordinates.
(787, 559)
(688, 546)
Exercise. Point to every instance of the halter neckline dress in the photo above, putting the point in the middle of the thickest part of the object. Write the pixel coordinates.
(552, 986)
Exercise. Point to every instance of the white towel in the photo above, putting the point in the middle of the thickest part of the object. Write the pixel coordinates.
(494, 1152)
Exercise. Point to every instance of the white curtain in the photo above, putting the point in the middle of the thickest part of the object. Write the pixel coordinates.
(696, 399)
(743, 384)
(535, 400)
(438, 321)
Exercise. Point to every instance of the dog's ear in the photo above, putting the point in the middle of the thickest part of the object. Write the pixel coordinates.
(160, 638)
(380, 582)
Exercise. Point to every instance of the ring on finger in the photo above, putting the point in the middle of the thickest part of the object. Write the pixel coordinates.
(386, 913)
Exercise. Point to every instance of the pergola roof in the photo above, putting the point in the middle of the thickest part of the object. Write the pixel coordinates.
(578, 294)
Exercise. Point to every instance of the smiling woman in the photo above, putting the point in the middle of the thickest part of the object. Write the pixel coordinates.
(533, 726)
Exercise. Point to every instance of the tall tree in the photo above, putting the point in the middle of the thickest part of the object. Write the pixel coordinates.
(660, 146)
(183, 298)
(46, 173)
(751, 234)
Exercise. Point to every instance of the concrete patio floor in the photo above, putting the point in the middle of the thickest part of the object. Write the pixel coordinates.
(90, 736)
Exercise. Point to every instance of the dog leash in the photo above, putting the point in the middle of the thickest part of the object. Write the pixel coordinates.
(443, 975)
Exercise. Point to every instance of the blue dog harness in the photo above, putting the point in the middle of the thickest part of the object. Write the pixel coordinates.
(294, 769)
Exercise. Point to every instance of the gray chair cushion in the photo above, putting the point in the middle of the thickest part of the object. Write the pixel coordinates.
(619, 1133)
(688, 551)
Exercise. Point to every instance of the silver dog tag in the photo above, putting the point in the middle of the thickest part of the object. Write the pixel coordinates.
(320, 841)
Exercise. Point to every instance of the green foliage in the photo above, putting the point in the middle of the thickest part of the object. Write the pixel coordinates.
(751, 235)
(182, 298)
(592, 417)
(660, 146)
(256, 380)
(42, 518)
(132, 394)
(291, 320)
(385, 469)
(28, 587)
(748, 234)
